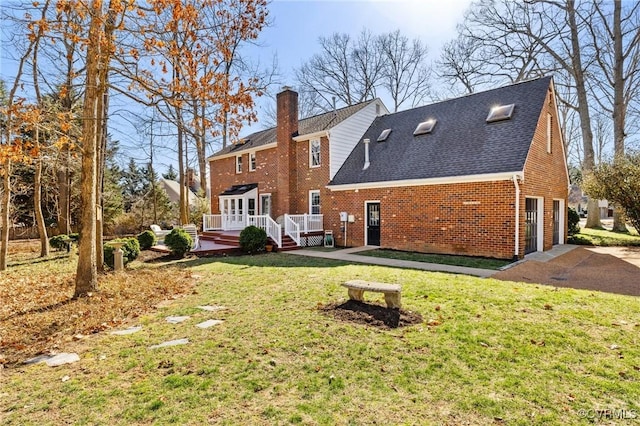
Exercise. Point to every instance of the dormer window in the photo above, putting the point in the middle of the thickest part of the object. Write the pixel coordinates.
(425, 127)
(314, 153)
(500, 112)
(384, 135)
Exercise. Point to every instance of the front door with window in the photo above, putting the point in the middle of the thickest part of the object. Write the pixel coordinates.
(265, 204)
(556, 222)
(373, 224)
(531, 225)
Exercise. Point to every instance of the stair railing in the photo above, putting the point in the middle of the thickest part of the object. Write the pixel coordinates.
(292, 229)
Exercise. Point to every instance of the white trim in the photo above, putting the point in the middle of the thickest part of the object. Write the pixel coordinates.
(366, 221)
(311, 192)
(549, 133)
(314, 135)
(488, 177)
(517, 230)
(563, 213)
(242, 151)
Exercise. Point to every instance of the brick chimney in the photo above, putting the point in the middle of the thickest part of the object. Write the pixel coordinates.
(287, 128)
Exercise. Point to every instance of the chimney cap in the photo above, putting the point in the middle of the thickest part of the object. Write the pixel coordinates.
(285, 88)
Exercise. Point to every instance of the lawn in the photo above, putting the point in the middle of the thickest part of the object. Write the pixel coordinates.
(603, 237)
(443, 259)
(488, 352)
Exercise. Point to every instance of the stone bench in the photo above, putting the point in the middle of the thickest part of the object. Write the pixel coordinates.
(356, 289)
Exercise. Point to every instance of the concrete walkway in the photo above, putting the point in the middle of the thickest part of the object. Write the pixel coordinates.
(348, 255)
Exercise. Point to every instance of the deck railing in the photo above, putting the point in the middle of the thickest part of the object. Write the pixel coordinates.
(292, 229)
(271, 227)
(308, 222)
(212, 222)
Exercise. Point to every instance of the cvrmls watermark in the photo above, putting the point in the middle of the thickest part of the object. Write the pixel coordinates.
(608, 413)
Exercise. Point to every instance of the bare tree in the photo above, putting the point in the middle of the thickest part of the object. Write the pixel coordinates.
(406, 73)
(349, 71)
(615, 37)
(518, 40)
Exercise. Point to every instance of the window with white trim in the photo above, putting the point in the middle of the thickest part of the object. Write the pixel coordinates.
(549, 132)
(314, 202)
(314, 153)
(239, 164)
(252, 161)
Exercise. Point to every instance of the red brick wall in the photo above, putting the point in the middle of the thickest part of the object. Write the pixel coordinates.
(545, 173)
(470, 218)
(311, 178)
(223, 175)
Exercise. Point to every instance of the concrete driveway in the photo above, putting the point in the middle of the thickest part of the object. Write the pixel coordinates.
(609, 269)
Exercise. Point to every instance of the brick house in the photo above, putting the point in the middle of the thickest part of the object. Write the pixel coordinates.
(285, 170)
(482, 175)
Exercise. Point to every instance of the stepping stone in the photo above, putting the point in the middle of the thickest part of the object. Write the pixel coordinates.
(54, 360)
(209, 323)
(61, 359)
(177, 320)
(126, 331)
(212, 308)
(170, 343)
(35, 360)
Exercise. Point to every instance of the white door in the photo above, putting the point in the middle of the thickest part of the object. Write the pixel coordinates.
(233, 213)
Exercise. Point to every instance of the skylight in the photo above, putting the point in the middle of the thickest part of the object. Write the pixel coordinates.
(425, 127)
(384, 135)
(500, 112)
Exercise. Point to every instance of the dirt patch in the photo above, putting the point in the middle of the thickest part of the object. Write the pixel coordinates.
(371, 314)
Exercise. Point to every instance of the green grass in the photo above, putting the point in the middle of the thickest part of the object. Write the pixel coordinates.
(468, 261)
(603, 237)
(525, 354)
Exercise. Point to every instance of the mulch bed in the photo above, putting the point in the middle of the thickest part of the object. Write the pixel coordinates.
(371, 314)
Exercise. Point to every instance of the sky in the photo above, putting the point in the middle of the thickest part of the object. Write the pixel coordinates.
(293, 36)
(298, 24)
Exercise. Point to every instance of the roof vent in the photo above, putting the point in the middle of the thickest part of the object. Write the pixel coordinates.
(384, 135)
(425, 127)
(500, 112)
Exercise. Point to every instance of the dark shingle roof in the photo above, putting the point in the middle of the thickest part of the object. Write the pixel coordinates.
(306, 126)
(461, 143)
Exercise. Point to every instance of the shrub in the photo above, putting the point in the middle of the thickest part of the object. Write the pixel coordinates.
(60, 242)
(147, 239)
(253, 239)
(573, 221)
(130, 250)
(178, 241)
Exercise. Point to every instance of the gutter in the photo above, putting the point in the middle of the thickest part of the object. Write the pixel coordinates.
(517, 233)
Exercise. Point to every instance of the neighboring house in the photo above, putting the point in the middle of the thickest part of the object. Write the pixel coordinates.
(578, 200)
(481, 175)
(172, 188)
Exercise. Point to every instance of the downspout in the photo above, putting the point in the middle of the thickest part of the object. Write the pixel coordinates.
(517, 233)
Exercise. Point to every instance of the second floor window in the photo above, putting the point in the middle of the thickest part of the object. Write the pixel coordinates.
(252, 161)
(239, 164)
(314, 151)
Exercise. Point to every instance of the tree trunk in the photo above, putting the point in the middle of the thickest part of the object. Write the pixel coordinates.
(619, 107)
(37, 204)
(4, 208)
(593, 213)
(87, 273)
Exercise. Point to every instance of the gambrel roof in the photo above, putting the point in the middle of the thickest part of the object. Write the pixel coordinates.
(465, 140)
